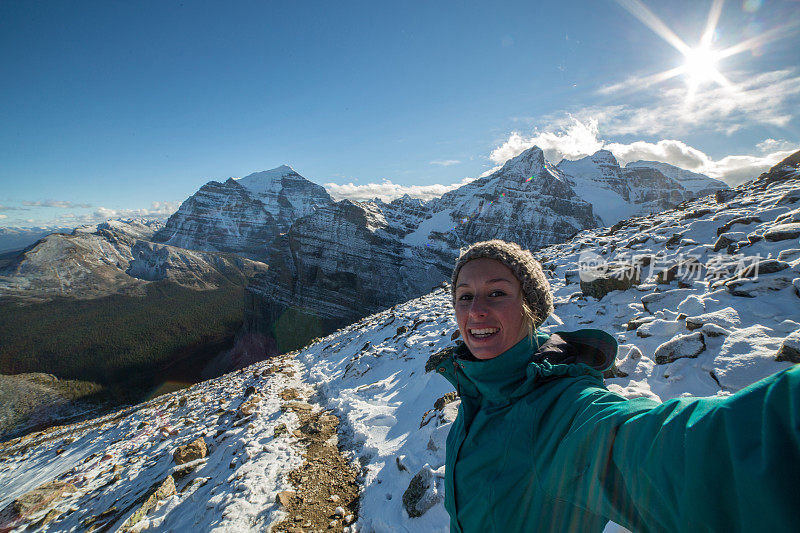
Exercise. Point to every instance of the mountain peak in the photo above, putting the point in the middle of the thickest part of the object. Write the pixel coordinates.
(530, 162)
(604, 156)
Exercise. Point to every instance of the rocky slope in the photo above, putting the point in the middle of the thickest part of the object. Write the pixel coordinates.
(698, 319)
(114, 257)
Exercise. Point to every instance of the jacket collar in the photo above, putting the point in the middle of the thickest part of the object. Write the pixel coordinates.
(519, 369)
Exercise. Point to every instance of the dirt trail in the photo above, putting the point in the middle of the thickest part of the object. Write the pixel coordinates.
(326, 492)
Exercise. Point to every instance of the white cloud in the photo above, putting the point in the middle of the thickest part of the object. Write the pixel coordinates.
(64, 204)
(769, 98)
(772, 145)
(669, 151)
(388, 191)
(3, 216)
(446, 162)
(156, 210)
(576, 140)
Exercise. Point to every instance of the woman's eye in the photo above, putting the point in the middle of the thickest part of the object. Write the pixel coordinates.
(497, 293)
(465, 297)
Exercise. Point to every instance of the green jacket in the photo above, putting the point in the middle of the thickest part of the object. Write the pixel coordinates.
(539, 444)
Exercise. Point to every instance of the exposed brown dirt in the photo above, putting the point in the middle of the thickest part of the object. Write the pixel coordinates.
(325, 481)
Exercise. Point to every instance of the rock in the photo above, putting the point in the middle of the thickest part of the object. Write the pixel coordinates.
(726, 318)
(789, 255)
(340, 512)
(425, 490)
(193, 451)
(725, 195)
(182, 401)
(34, 501)
(660, 327)
(727, 239)
(248, 391)
(444, 400)
(456, 334)
(688, 269)
(162, 492)
(289, 394)
(335, 498)
(790, 348)
(680, 347)
(617, 278)
(783, 232)
(635, 322)
(790, 197)
(297, 406)
(401, 330)
(439, 358)
(279, 430)
(764, 266)
(739, 220)
(285, 498)
(692, 305)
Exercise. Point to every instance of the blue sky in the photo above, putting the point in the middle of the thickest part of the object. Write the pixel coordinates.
(127, 108)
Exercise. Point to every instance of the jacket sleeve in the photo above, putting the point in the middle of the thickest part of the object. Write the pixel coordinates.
(689, 464)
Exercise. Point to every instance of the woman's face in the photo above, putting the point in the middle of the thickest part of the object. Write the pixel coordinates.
(488, 308)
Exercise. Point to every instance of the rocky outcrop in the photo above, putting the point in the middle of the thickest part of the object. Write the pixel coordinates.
(333, 267)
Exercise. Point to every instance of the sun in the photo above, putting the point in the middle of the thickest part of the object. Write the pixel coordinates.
(700, 66)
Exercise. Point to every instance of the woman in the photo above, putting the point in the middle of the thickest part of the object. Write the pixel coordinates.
(540, 444)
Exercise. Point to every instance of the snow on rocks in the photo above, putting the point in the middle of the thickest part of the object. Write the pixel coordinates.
(790, 348)
(725, 318)
(690, 345)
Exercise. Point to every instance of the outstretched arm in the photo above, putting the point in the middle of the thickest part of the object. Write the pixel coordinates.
(689, 464)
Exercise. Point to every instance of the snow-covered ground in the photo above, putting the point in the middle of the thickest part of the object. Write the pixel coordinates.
(707, 332)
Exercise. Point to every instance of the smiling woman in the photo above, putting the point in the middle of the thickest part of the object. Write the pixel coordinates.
(539, 443)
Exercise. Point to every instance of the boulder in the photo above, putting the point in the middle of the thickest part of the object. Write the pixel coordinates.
(725, 195)
(783, 232)
(425, 490)
(729, 238)
(616, 278)
(680, 347)
(790, 348)
(34, 501)
(193, 451)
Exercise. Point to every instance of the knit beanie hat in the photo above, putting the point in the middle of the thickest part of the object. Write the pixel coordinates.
(535, 288)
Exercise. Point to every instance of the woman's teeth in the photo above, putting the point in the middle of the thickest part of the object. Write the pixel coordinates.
(483, 333)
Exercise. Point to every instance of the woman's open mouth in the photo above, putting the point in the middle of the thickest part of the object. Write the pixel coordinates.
(483, 333)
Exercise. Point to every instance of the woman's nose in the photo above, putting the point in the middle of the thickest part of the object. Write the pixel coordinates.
(478, 307)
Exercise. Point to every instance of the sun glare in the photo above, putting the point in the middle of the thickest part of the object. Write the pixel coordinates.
(701, 65)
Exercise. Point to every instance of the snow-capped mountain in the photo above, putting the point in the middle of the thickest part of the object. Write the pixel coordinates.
(639, 188)
(713, 308)
(286, 195)
(699, 184)
(243, 216)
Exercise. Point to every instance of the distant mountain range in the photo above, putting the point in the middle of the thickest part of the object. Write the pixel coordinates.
(330, 262)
